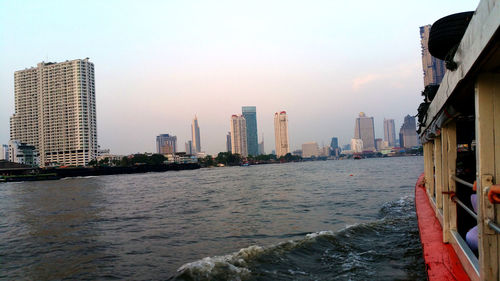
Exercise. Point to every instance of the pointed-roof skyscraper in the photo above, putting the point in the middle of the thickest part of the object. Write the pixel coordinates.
(195, 135)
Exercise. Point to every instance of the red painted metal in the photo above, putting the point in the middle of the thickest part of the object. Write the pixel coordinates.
(441, 260)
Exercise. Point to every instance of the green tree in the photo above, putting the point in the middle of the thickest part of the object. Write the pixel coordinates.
(125, 162)
(157, 159)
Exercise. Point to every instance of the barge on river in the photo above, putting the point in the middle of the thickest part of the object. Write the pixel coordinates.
(460, 132)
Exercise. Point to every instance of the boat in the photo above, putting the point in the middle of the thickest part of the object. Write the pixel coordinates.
(457, 198)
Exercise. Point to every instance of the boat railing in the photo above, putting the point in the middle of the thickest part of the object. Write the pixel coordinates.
(459, 180)
(490, 223)
(467, 209)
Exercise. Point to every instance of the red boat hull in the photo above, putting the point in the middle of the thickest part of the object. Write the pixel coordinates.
(441, 260)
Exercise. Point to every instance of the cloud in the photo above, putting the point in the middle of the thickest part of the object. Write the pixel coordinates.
(360, 82)
(393, 75)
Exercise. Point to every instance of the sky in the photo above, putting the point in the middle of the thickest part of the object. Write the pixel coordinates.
(160, 63)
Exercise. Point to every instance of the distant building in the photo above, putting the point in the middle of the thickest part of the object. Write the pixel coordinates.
(310, 149)
(189, 148)
(325, 151)
(281, 133)
(434, 69)
(390, 132)
(228, 142)
(408, 133)
(55, 111)
(23, 153)
(250, 114)
(297, 152)
(365, 131)
(195, 136)
(4, 152)
(334, 143)
(239, 135)
(166, 144)
(261, 146)
(357, 145)
(346, 147)
(379, 143)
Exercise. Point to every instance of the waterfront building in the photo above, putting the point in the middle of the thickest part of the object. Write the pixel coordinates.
(4, 152)
(239, 135)
(310, 149)
(195, 136)
(23, 153)
(189, 148)
(408, 132)
(357, 145)
(434, 68)
(334, 143)
(365, 131)
(379, 144)
(250, 114)
(228, 142)
(55, 112)
(346, 147)
(390, 132)
(166, 144)
(281, 133)
(325, 151)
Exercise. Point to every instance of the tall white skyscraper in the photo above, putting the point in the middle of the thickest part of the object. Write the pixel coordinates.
(390, 132)
(365, 131)
(55, 112)
(239, 135)
(195, 135)
(281, 133)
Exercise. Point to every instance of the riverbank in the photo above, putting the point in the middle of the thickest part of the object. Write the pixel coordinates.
(36, 174)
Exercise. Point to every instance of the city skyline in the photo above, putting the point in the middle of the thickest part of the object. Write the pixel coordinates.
(302, 60)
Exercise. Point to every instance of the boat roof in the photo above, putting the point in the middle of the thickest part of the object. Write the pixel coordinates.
(478, 52)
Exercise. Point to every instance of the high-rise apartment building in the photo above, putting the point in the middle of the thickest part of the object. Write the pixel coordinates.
(195, 135)
(408, 132)
(390, 132)
(166, 144)
(281, 133)
(434, 68)
(365, 131)
(55, 112)
(250, 114)
(239, 135)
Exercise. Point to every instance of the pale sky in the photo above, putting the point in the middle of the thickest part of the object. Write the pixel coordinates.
(158, 63)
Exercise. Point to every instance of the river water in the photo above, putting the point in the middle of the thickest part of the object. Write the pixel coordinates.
(325, 220)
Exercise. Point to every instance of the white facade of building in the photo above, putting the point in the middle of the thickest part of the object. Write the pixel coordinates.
(357, 145)
(55, 112)
(281, 133)
(310, 149)
(239, 135)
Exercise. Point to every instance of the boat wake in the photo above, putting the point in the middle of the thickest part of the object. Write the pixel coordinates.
(385, 249)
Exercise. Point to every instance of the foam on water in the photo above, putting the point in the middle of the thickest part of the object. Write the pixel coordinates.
(367, 250)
